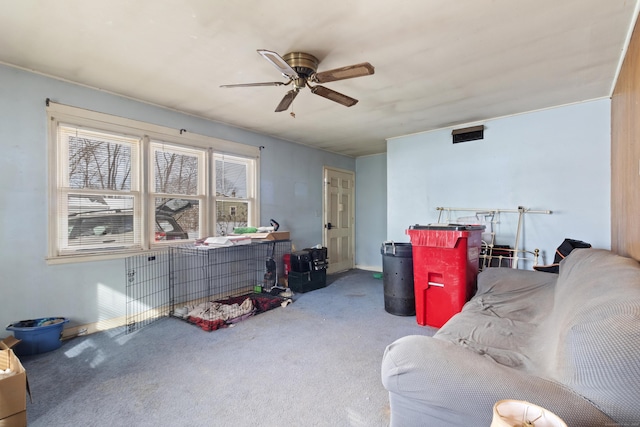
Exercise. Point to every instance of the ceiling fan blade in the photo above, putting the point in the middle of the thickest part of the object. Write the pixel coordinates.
(255, 84)
(287, 100)
(278, 62)
(348, 72)
(332, 95)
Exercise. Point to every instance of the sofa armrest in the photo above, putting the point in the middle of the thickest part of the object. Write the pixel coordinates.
(434, 382)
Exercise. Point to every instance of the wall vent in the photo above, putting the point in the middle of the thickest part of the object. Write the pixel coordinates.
(468, 134)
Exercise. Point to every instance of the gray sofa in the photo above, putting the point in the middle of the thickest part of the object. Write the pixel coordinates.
(569, 342)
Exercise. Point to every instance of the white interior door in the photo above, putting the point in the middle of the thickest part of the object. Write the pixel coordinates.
(339, 230)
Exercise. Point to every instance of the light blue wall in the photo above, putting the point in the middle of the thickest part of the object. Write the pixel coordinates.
(291, 188)
(371, 211)
(557, 159)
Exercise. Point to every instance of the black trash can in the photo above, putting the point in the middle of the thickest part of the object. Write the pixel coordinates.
(397, 275)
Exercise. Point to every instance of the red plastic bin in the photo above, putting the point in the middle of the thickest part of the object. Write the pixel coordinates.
(445, 269)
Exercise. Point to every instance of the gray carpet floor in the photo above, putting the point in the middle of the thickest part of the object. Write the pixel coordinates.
(315, 362)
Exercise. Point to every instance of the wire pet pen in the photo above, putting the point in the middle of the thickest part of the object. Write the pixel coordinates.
(215, 280)
(147, 286)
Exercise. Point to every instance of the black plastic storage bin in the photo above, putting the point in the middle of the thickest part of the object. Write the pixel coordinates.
(397, 277)
(308, 281)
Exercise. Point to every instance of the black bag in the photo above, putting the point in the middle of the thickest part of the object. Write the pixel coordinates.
(563, 250)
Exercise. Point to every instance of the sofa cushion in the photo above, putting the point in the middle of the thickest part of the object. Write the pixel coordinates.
(503, 318)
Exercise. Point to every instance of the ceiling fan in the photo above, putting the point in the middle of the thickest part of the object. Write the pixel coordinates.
(300, 68)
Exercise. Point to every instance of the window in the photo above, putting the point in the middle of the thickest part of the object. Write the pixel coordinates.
(98, 192)
(233, 204)
(178, 189)
(120, 186)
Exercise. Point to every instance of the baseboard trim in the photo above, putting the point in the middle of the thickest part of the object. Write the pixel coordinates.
(91, 328)
(375, 268)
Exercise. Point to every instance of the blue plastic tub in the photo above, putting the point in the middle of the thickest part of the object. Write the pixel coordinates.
(38, 335)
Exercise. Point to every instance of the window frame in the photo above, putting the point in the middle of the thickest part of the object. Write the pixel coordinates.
(201, 193)
(149, 135)
(64, 188)
(220, 198)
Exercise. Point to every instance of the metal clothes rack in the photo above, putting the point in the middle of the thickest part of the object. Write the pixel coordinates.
(491, 255)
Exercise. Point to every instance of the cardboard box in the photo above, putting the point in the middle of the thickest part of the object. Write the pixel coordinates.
(15, 420)
(13, 386)
(273, 235)
(8, 342)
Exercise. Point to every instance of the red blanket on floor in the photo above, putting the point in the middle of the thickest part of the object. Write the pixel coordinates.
(261, 303)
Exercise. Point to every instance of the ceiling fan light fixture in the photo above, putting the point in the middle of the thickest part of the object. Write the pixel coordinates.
(300, 69)
(300, 83)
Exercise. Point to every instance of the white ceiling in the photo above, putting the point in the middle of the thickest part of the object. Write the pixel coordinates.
(438, 63)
